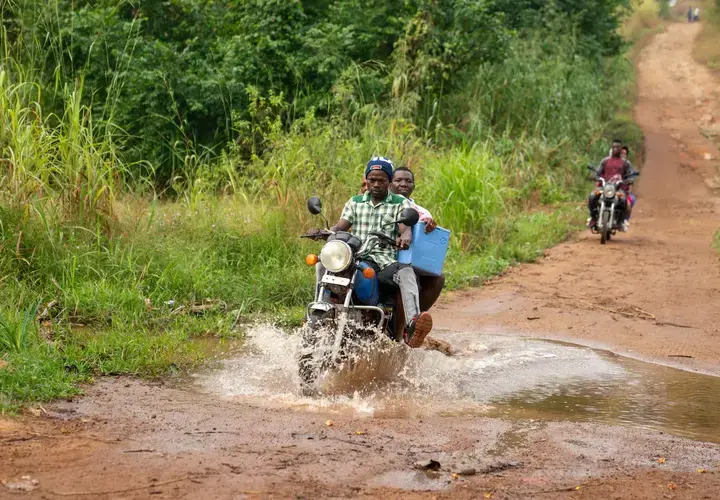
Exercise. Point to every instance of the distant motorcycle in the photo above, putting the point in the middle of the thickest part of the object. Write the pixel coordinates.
(608, 215)
(346, 310)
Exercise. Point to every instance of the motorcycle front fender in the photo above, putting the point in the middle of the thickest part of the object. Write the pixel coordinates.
(320, 306)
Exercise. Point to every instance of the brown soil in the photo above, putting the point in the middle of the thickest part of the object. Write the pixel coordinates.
(133, 439)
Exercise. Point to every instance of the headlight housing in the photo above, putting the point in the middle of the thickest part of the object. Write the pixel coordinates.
(336, 256)
(609, 191)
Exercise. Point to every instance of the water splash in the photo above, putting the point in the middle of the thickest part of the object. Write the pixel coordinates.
(489, 375)
(392, 380)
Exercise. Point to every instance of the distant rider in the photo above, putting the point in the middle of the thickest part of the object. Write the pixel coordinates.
(403, 183)
(371, 212)
(631, 197)
(610, 167)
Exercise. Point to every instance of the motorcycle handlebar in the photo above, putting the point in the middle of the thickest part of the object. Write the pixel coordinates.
(379, 238)
(321, 235)
(383, 237)
(625, 180)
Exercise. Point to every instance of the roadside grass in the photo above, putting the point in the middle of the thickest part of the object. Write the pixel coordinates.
(18, 330)
(54, 367)
(707, 44)
(526, 239)
(645, 21)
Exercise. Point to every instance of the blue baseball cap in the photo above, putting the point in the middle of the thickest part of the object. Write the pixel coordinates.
(380, 163)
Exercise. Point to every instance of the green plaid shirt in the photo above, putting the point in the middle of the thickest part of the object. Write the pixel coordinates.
(366, 218)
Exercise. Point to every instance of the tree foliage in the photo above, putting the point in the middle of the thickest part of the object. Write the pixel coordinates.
(177, 74)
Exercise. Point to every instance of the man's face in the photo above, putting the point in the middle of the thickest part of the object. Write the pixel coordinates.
(403, 183)
(616, 148)
(378, 184)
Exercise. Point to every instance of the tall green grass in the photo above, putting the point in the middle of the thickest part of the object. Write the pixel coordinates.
(18, 330)
(66, 161)
(707, 44)
(543, 90)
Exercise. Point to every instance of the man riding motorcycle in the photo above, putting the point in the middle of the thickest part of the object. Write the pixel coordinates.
(610, 167)
(403, 183)
(375, 211)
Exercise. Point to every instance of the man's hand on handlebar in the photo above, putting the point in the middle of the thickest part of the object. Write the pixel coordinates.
(317, 234)
(401, 244)
(404, 239)
(396, 243)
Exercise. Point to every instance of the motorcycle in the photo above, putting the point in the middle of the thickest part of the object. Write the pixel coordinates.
(346, 310)
(608, 213)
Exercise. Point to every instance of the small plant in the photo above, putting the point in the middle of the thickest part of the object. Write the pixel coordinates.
(17, 331)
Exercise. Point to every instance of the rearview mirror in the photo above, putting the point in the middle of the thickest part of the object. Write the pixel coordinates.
(409, 217)
(314, 205)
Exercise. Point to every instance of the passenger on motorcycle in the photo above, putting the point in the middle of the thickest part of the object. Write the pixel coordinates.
(403, 183)
(610, 167)
(374, 211)
(631, 196)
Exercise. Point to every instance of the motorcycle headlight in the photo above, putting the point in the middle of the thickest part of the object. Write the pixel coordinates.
(609, 191)
(336, 256)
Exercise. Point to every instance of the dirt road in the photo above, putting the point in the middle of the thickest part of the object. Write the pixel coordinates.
(132, 439)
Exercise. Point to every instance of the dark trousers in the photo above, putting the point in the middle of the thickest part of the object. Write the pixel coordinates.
(430, 288)
(429, 285)
(397, 276)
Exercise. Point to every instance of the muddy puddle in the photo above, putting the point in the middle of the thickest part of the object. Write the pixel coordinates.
(489, 375)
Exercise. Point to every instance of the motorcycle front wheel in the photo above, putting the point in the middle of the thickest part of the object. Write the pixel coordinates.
(309, 366)
(605, 233)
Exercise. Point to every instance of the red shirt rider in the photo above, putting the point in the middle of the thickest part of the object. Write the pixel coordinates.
(615, 165)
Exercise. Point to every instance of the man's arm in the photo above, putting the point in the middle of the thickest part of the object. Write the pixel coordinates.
(427, 218)
(601, 168)
(347, 217)
(405, 232)
(341, 225)
(629, 169)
